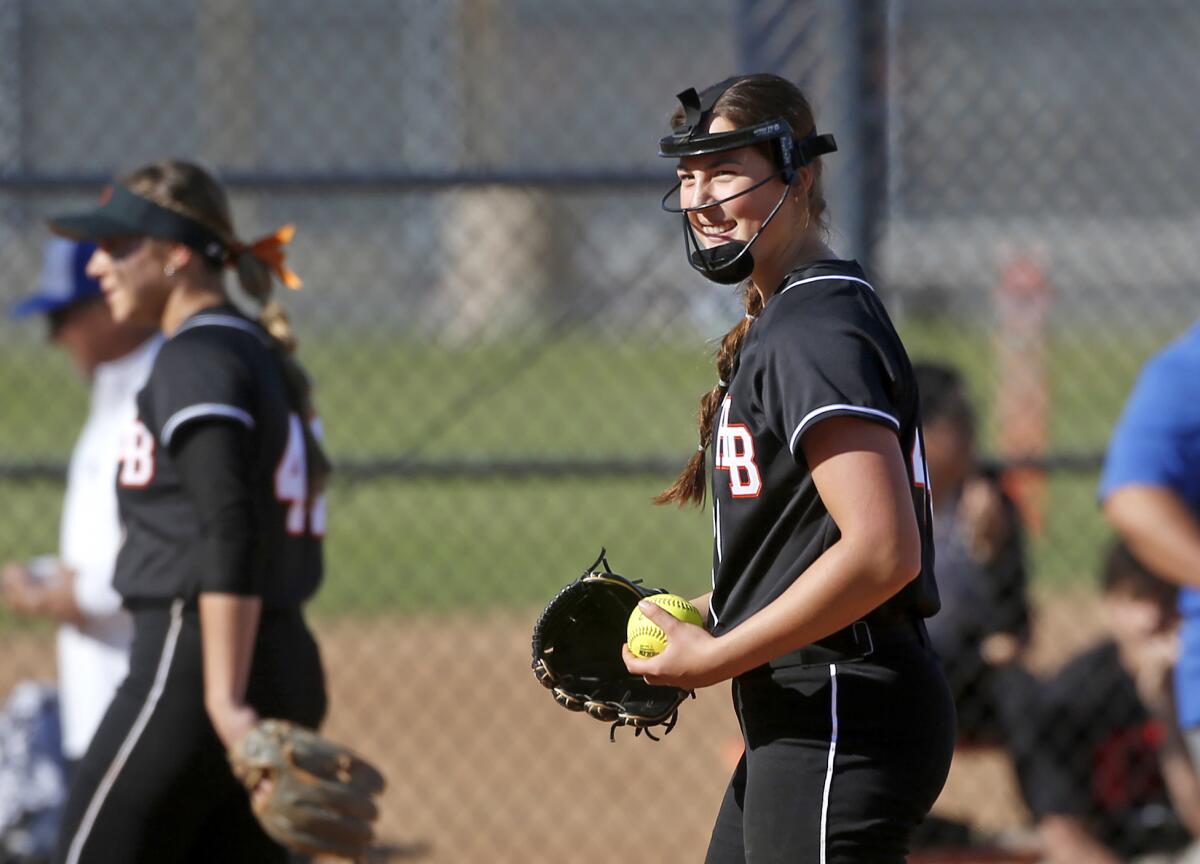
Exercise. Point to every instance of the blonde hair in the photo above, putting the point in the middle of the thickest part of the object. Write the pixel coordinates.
(749, 100)
(191, 191)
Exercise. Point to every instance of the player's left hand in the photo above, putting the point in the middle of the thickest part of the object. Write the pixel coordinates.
(310, 794)
(690, 660)
(232, 722)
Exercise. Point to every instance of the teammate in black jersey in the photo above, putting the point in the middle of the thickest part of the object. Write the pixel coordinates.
(823, 559)
(219, 489)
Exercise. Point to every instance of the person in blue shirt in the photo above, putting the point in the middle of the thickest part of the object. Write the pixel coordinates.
(1150, 492)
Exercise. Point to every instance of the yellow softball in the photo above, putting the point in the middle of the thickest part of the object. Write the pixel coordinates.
(646, 638)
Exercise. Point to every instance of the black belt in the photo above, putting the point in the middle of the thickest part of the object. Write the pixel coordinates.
(880, 630)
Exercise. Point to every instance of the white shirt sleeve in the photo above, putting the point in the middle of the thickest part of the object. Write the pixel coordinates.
(93, 659)
(94, 594)
(91, 529)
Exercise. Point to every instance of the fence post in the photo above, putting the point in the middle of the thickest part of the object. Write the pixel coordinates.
(11, 99)
(497, 241)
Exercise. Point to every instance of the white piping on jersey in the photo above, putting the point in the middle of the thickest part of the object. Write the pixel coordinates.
(131, 738)
(717, 529)
(219, 320)
(851, 409)
(820, 278)
(833, 737)
(717, 540)
(204, 409)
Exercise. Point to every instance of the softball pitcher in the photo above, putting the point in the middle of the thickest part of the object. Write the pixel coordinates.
(822, 558)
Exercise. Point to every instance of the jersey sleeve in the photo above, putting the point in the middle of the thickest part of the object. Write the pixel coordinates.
(215, 463)
(1152, 442)
(195, 378)
(822, 363)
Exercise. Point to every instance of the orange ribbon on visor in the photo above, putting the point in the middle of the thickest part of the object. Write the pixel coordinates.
(269, 250)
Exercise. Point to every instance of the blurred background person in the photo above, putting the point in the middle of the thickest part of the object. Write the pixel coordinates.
(983, 626)
(1150, 491)
(74, 588)
(981, 562)
(1112, 780)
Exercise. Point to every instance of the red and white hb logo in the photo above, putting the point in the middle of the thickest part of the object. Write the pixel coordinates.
(735, 454)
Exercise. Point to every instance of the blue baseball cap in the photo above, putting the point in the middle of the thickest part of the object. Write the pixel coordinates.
(64, 280)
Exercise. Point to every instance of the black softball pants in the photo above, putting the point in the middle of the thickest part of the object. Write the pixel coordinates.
(155, 784)
(842, 760)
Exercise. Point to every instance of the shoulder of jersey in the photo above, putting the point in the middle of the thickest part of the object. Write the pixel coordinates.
(810, 293)
(206, 339)
(218, 326)
(824, 278)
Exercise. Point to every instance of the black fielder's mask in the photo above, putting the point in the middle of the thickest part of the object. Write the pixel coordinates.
(732, 262)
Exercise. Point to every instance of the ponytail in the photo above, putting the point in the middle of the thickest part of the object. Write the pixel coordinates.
(689, 486)
(254, 275)
(254, 268)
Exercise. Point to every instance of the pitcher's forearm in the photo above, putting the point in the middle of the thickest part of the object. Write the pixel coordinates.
(228, 627)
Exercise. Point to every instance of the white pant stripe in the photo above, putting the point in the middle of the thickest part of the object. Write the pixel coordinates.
(833, 736)
(135, 732)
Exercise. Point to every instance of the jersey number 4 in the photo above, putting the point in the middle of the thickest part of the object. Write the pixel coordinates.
(291, 482)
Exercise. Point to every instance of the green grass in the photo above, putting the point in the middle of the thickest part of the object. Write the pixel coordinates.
(423, 546)
(566, 398)
(482, 543)
(486, 544)
(44, 403)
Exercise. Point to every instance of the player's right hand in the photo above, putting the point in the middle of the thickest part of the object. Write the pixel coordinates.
(690, 660)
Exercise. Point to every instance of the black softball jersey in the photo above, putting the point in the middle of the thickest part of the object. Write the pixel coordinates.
(848, 740)
(822, 347)
(213, 491)
(218, 365)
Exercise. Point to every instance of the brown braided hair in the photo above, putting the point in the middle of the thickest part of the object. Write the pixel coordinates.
(749, 100)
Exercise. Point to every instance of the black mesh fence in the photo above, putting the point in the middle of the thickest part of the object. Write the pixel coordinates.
(508, 344)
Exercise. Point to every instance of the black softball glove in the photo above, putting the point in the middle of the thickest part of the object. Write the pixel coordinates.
(577, 653)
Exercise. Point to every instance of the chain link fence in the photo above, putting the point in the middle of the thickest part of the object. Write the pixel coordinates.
(508, 344)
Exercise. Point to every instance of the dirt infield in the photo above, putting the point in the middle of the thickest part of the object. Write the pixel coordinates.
(484, 767)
